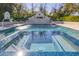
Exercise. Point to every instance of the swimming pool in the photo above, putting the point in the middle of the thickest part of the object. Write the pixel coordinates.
(45, 40)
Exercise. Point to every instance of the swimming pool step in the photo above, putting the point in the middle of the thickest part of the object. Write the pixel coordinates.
(43, 47)
(9, 38)
(11, 48)
(67, 46)
(23, 41)
(56, 45)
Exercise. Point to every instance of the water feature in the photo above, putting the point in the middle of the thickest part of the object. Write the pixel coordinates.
(6, 17)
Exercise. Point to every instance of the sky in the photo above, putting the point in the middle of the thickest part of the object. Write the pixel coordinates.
(49, 5)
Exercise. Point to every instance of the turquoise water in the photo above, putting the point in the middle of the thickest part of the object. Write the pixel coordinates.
(49, 47)
(71, 32)
(5, 33)
(59, 42)
(42, 28)
(47, 38)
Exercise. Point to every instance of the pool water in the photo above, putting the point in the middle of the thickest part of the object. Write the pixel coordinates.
(57, 42)
(41, 27)
(71, 32)
(47, 47)
(46, 40)
(7, 32)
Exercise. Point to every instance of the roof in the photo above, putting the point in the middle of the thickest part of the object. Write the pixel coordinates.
(39, 18)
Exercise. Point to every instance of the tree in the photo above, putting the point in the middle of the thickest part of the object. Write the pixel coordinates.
(32, 8)
(41, 7)
(45, 9)
(5, 7)
(69, 8)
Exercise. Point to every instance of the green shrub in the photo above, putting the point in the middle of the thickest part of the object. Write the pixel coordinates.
(65, 18)
(71, 18)
(19, 18)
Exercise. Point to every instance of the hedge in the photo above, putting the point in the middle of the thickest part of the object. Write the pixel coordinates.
(71, 18)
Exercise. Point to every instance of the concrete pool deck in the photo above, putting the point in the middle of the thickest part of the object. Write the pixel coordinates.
(73, 25)
(15, 25)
